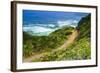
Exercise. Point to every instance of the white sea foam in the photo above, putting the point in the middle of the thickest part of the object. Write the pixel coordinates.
(46, 29)
(51, 25)
(36, 29)
(67, 23)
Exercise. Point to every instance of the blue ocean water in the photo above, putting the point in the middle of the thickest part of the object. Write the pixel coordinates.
(42, 23)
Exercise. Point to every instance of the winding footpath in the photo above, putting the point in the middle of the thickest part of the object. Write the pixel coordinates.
(69, 41)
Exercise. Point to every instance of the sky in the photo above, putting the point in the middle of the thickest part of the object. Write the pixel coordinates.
(44, 21)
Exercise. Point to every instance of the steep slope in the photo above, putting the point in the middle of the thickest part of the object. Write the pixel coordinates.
(39, 56)
(80, 49)
(84, 26)
(38, 44)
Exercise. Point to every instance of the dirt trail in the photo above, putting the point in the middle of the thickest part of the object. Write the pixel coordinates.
(69, 41)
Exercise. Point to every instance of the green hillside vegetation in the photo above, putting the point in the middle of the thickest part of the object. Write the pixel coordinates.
(38, 44)
(80, 49)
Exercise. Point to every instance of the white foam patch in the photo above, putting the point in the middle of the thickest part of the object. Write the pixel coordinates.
(67, 23)
(51, 25)
(37, 29)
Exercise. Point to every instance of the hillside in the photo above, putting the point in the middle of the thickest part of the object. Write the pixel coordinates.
(80, 49)
(38, 44)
